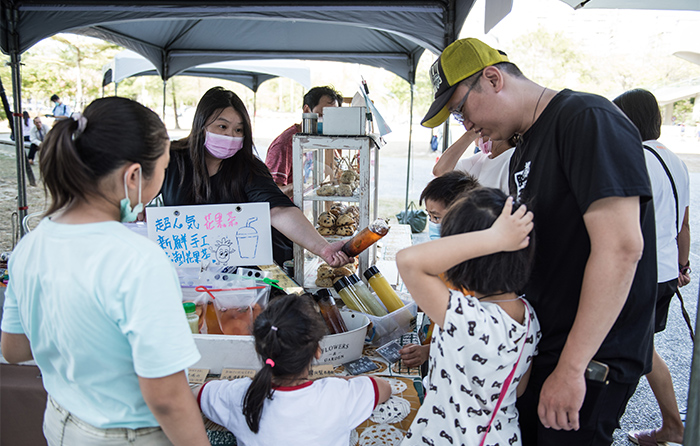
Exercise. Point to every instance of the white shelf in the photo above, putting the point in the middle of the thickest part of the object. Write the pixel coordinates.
(365, 195)
(312, 196)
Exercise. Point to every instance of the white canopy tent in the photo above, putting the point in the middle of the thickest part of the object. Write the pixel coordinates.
(250, 73)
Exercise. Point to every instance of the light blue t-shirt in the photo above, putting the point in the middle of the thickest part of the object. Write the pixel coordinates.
(100, 305)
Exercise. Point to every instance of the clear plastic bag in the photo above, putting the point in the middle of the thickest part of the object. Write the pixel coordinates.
(237, 307)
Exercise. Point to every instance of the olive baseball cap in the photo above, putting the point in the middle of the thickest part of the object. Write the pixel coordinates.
(460, 60)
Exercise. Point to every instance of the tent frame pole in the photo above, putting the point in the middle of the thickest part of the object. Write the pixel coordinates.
(410, 147)
(17, 119)
(692, 420)
(165, 85)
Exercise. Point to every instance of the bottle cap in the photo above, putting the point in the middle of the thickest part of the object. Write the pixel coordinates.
(189, 307)
(309, 115)
(322, 295)
(353, 279)
(341, 283)
(372, 270)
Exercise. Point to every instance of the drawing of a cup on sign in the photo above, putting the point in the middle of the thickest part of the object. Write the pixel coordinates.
(247, 239)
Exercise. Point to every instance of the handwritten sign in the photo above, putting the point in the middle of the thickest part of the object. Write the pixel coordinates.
(197, 376)
(321, 371)
(220, 234)
(236, 373)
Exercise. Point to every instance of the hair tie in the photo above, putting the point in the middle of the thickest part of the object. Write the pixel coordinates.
(270, 362)
(273, 328)
(82, 123)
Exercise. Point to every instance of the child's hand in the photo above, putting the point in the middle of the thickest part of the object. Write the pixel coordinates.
(414, 355)
(511, 230)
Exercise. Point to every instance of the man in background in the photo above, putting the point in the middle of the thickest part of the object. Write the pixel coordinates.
(279, 154)
(60, 110)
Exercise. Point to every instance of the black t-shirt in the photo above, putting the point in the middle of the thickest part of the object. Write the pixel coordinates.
(582, 149)
(257, 189)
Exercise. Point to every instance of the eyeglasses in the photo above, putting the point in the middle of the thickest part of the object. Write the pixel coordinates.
(457, 114)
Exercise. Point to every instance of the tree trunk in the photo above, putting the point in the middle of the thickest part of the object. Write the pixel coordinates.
(79, 100)
(172, 91)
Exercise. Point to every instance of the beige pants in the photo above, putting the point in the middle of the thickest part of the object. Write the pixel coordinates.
(61, 428)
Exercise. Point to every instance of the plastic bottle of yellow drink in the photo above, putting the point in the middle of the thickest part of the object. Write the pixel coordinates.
(347, 294)
(366, 296)
(384, 291)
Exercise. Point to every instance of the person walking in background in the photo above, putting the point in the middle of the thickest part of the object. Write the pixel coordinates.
(26, 125)
(279, 154)
(579, 164)
(670, 185)
(60, 110)
(36, 137)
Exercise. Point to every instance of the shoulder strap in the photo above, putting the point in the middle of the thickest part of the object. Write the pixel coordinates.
(670, 177)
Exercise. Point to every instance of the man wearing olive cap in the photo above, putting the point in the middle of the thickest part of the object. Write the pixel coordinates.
(579, 165)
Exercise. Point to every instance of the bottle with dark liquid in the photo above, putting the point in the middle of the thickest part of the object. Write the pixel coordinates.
(366, 238)
(330, 312)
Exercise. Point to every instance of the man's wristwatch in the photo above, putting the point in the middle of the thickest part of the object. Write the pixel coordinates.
(684, 269)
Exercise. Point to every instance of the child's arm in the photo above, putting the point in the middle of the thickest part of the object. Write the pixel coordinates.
(448, 159)
(420, 265)
(384, 389)
(414, 355)
(383, 386)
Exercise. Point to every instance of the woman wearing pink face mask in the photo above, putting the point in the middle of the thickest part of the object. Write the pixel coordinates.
(215, 164)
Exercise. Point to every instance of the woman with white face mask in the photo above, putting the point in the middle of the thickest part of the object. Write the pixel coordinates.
(215, 164)
(97, 306)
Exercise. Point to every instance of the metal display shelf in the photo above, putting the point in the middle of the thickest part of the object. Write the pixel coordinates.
(365, 196)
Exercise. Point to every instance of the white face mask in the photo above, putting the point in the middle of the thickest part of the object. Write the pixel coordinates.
(128, 214)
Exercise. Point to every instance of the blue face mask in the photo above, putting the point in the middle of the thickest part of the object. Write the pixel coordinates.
(433, 230)
(128, 214)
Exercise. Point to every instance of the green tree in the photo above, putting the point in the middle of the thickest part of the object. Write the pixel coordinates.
(400, 92)
(550, 59)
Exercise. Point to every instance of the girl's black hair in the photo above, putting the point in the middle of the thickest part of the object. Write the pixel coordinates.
(448, 187)
(117, 131)
(25, 116)
(238, 169)
(502, 272)
(642, 109)
(287, 332)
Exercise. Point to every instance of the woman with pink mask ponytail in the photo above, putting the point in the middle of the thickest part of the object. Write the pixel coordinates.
(215, 164)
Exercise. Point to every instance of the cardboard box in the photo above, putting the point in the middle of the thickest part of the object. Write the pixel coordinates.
(238, 352)
(345, 121)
